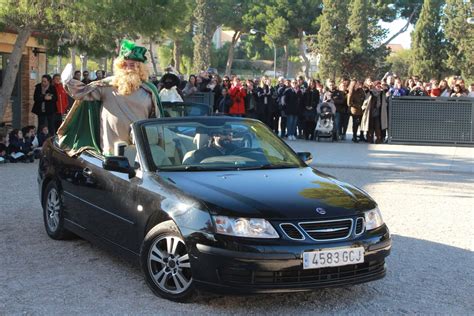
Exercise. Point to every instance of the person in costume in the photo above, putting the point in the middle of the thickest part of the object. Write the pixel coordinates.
(169, 88)
(105, 109)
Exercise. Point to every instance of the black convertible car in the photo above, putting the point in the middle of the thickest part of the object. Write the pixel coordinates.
(218, 203)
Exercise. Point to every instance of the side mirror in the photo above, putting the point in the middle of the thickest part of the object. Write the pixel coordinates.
(118, 164)
(306, 157)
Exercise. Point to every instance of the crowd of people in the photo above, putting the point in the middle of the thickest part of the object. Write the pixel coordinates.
(291, 108)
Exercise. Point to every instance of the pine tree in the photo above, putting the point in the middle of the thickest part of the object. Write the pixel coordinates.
(358, 26)
(460, 37)
(358, 58)
(427, 42)
(203, 33)
(331, 39)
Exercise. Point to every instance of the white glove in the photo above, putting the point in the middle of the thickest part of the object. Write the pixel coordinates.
(67, 73)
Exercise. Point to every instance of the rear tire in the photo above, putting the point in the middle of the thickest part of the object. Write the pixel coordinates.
(53, 213)
(165, 262)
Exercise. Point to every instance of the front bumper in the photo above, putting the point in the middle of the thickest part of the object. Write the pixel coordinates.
(279, 268)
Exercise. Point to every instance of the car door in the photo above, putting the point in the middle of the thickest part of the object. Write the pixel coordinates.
(113, 210)
(76, 183)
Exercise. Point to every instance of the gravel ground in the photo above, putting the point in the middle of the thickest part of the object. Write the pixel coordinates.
(430, 270)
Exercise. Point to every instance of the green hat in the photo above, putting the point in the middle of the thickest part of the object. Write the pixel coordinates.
(128, 50)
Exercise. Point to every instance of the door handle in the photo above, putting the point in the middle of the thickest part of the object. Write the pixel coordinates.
(87, 172)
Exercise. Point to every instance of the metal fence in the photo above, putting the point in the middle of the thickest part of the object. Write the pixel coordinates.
(201, 97)
(426, 120)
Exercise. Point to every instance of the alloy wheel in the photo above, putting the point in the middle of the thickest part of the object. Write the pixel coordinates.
(169, 266)
(53, 207)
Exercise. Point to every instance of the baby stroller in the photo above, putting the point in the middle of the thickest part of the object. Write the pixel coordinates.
(325, 127)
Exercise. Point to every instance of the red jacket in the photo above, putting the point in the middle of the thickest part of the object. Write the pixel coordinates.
(62, 102)
(237, 94)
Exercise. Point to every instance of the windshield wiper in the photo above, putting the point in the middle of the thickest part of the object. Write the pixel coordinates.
(191, 168)
(268, 166)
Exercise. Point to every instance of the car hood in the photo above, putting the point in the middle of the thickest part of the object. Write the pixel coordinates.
(293, 193)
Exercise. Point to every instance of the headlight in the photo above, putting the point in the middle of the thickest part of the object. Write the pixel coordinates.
(373, 219)
(244, 227)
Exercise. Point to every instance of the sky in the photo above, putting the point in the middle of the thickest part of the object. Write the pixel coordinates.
(394, 27)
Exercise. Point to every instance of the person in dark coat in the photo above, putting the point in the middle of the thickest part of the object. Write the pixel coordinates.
(225, 102)
(280, 90)
(335, 96)
(311, 101)
(264, 101)
(44, 107)
(42, 135)
(18, 146)
(292, 103)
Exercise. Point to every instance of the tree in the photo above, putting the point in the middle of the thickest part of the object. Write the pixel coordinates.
(427, 42)
(207, 16)
(23, 17)
(234, 19)
(301, 14)
(399, 63)
(263, 16)
(364, 53)
(332, 38)
(460, 37)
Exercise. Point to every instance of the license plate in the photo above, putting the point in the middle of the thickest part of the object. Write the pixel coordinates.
(332, 257)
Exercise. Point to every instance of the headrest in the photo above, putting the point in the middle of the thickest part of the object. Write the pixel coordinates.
(153, 136)
(201, 140)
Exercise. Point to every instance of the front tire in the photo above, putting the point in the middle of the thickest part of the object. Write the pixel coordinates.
(53, 213)
(165, 262)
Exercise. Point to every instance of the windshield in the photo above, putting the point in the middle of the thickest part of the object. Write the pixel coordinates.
(217, 143)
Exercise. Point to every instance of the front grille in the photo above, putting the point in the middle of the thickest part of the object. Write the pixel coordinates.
(359, 226)
(328, 230)
(299, 276)
(291, 231)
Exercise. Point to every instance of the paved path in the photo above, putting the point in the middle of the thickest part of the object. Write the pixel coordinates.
(430, 216)
(388, 156)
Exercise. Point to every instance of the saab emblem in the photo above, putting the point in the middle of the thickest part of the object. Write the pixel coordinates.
(320, 210)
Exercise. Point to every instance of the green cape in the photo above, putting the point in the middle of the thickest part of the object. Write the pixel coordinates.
(81, 127)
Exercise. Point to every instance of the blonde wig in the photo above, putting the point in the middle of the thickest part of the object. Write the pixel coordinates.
(128, 81)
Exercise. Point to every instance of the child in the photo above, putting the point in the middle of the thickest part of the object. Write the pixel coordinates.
(457, 92)
(19, 150)
(29, 134)
(225, 102)
(43, 134)
(471, 91)
(3, 148)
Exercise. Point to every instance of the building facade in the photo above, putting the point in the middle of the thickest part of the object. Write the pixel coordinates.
(32, 66)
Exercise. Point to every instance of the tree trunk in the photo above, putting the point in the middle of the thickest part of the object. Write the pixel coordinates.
(230, 54)
(59, 64)
(12, 69)
(73, 58)
(177, 55)
(303, 53)
(285, 61)
(404, 28)
(112, 65)
(152, 56)
(83, 63)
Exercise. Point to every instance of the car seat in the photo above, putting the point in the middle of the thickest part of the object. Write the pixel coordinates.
(200, 140)
(157, 152)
